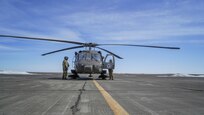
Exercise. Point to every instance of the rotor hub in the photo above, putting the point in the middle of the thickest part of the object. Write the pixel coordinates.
(90, 44)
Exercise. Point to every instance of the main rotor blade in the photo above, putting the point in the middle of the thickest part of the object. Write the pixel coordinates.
(62, 50)
(110, 52)
(44, 39)
(150, 46)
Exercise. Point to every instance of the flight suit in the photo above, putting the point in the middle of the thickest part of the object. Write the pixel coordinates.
(110, 71)
(65, 66)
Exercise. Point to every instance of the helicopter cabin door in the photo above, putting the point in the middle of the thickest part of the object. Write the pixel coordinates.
(109, 62)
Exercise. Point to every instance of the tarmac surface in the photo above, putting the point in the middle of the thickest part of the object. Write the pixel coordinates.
(138, 94)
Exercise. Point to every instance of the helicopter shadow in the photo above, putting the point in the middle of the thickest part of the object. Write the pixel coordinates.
(85, 78)
(77, 79)
(54, 78)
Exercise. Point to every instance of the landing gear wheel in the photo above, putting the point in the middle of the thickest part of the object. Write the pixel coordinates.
(74, 74)
(102, 76)
(90, 75)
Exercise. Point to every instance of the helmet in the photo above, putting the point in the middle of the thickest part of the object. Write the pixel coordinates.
(66, 58)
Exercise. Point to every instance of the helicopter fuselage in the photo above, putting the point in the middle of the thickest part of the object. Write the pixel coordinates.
(88, 62)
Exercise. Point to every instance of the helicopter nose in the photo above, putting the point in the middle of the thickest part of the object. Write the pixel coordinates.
(88, 68)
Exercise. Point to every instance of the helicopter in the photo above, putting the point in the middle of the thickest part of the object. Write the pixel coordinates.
(89, 61)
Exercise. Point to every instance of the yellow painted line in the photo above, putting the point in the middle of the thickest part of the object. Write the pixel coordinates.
(114, 105)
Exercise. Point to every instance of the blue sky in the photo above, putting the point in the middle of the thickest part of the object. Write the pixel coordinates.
(151, 22)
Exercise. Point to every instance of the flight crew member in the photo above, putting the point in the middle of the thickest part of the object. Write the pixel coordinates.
(110, 71)
(65, 66)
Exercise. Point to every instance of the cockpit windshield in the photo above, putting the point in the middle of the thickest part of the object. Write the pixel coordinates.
(89, 56)
(96, 57)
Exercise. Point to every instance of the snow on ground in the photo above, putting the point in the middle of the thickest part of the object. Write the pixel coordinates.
(14, 72)
(182, 75)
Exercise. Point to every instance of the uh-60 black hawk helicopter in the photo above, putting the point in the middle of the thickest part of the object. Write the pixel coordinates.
(89, 61)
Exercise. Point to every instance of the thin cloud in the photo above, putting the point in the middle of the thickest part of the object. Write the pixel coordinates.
(196, 41)
(28, 23)
(8, 48)
(69, 21)
(133, 25)
(56, 33)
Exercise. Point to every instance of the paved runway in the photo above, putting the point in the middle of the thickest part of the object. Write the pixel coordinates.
(47, 94)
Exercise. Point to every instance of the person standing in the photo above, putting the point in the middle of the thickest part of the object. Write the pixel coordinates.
(110, 71)
(65, 66)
